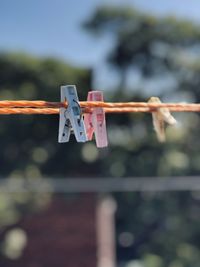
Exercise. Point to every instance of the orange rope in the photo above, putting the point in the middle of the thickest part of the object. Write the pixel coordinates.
(28, 111)
(49, 111)
(32, 104)
(44, 107)
(90, 104)
(139, 105)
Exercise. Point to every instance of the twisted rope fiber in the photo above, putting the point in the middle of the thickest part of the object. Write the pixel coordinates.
(92, 104)
(44, 107)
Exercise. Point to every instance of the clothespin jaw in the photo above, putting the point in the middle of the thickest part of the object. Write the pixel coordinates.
(95, 122)
(160, 116)
(71, 117)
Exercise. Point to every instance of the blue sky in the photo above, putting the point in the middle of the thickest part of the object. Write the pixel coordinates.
(53, 27)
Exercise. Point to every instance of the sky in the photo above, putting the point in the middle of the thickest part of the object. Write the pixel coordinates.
(53, 27)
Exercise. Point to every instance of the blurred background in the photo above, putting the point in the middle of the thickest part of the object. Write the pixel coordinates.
(133, 204)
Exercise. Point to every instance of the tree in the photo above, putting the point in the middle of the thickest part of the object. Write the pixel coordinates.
(162, 226)
(29, 144)
(142, 41)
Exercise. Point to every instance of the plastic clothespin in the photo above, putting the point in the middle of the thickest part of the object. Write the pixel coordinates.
(71, 117)
(161, 116)
(95, 122)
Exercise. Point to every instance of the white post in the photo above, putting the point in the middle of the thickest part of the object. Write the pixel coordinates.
(106, 232)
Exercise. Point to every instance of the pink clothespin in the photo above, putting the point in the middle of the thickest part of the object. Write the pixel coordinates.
(95, 121)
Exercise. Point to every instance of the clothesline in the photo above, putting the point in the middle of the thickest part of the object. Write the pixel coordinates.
(70, 111)
(44, 107)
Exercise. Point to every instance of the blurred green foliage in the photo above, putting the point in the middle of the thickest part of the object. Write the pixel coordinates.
(146, 42)
(157, 48)
(153, 229)
(161, 230)
(29, 145)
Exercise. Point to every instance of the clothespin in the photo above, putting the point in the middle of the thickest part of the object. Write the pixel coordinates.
(95, 121)
(71, 117)
(160, 116)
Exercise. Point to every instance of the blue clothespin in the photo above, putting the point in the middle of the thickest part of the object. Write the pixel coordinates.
(71, 117)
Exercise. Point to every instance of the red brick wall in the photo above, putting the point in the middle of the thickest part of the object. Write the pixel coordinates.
(63, 235)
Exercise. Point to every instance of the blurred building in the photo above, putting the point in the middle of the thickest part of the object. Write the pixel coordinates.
(73, 231)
